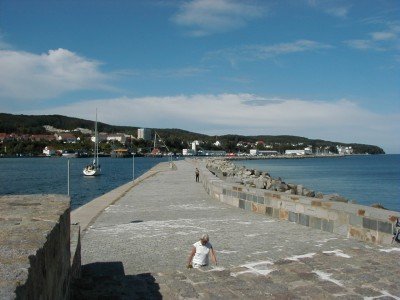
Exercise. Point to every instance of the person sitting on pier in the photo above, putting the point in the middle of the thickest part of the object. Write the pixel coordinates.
(200, 251)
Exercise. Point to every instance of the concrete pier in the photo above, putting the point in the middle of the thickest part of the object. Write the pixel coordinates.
(137, 248)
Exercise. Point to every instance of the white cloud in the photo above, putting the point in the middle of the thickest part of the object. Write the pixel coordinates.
(245, 114)
(205, 17)
(362, 44)
(383, 36)
(28, 76)
(336, 8)
(262, 52)
(385, 40)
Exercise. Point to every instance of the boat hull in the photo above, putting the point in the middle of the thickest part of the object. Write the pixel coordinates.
(91, 172)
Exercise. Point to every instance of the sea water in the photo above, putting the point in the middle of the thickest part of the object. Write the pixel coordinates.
(367, 179)
(49, 175)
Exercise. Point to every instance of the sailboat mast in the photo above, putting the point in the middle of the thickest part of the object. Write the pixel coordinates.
(97, 142)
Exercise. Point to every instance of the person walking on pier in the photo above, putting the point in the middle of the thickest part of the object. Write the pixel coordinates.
(197, 173)
(200, 252)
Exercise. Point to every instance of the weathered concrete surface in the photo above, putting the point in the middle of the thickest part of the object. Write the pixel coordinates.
(87, 213)
(34, 247)
(138, 247)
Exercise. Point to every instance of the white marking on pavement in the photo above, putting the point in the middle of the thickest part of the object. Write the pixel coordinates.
(326, 240)
(260, 252)
(384, 294)
(297, 257)
(216, 269)
(327, 277)
(389, 250)
(256, 268)
(337, 252)
(190, 207)
(226, 251)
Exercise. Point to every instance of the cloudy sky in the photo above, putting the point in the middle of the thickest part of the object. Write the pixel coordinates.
(316, 68)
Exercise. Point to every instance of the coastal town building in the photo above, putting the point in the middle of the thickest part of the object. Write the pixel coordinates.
(49, 151)
(102, 137)
(194, 146)
(119, 137)
(65, 137)
(255, 152)
(84, 131)
(120, 153)
(144, 133)
(50, 128)
(305, 151)
(344, 150)
(211, 153)
(188, 152)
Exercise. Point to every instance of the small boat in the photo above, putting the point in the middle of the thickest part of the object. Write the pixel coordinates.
(94, 168)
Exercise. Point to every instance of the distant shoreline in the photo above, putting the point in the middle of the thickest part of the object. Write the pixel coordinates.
(287, 157)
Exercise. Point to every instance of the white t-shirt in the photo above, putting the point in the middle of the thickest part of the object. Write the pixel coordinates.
(201, 255)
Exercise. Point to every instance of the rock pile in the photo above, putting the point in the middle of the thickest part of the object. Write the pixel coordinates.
(230, 172)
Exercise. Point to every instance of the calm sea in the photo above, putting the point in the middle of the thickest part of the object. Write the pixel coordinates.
(49, 176)
(367, 179)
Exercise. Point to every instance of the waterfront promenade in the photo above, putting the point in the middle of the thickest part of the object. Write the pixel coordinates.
(137, 248)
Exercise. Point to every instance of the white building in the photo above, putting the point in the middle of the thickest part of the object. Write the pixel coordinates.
(344, 150)
(217, 143)
(48, 151)
(194, 145)
(188, 152)
(305, 151)
(255, 152)
(119, 137)
(144, 133)
(102, 137)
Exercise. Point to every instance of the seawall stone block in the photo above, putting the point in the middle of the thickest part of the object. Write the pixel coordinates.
(385, 227)
(304, 220)
(327, 225)
(316, 223)
(283, 214)
(241, 204)
(269, 211)
(370, 223)
(300, 208)
(293, 217)
(356, 221)
(35, 255)
(231, 201)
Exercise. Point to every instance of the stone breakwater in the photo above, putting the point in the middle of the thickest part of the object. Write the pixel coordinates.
(232, 173)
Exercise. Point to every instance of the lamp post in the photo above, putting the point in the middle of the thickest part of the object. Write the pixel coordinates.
(133, 167)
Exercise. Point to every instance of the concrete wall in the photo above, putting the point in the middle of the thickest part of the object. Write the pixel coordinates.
(35, 250)
(351, 220)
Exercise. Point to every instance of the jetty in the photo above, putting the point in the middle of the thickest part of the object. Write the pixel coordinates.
(137, 248)
(134, 242)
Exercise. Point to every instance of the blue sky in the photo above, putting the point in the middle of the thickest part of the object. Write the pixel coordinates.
(314, 68)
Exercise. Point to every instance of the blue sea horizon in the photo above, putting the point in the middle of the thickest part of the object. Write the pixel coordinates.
(365, 179)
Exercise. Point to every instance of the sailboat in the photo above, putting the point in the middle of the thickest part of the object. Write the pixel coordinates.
(94, 168)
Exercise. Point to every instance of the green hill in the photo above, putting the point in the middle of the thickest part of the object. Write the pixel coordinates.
(176, 138)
